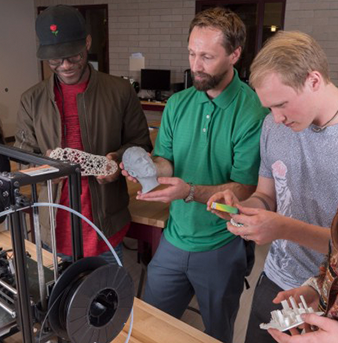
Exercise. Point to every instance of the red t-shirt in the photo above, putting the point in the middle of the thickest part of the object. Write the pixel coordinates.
(71, 138)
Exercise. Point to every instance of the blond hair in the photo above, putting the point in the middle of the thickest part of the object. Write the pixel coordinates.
(291, 54)
(232, 27)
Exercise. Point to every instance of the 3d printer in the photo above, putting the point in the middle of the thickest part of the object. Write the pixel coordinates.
(87, 300)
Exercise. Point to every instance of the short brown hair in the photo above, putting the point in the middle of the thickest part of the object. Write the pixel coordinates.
(232, 27)
(291, 54)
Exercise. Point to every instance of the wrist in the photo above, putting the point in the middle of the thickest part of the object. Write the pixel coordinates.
(312, 282)
(191, 193)
(284, 228)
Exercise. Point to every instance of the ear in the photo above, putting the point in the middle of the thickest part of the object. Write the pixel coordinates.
(314, 80)
(88, 42)
(234, 57)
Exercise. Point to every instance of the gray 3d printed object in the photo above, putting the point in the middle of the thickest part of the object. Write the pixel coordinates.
(139, 165)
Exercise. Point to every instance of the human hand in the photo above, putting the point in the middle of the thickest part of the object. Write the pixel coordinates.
(59, 179)
(126, 174)
(226, 197)
(260, 226)
(104, 179)
(129, 174)
(177, 189)
(327, 332)
(310, 296)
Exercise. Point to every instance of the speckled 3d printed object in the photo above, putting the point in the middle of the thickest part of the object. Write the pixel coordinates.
(91, 165)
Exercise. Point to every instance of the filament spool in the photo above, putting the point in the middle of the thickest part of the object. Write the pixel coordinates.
(91, 301)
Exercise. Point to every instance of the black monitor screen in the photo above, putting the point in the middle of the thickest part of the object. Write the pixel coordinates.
(155, 79)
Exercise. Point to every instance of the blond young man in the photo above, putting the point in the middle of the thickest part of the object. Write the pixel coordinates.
(321, 293)
(296, 196)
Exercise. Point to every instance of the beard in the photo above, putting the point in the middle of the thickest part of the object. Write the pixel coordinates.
(208, 82)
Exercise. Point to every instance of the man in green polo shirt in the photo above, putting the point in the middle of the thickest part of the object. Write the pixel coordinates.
(208, 141)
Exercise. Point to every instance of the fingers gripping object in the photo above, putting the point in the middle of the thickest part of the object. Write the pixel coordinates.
(290, 316)
(232, 222)
(224, 208)
(91, 165)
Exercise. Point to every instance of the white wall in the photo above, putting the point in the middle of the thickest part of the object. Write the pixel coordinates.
(18, 64)
(156, 28)
(318, 18)
(159, 28)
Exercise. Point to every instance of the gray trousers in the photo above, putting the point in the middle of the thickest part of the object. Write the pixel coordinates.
(216, 277)
(261, 308)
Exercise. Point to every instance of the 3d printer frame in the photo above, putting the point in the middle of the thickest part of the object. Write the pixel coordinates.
(10, 184)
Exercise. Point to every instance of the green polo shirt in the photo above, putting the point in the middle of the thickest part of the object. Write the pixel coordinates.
(209, 142)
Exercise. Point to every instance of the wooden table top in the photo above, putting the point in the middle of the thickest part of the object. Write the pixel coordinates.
(154, 326)
(146, 212)
(153, 102)
(6, 243)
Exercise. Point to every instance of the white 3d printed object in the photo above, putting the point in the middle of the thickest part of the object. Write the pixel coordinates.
(288, 318)
(91, 165)
(232, 222)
